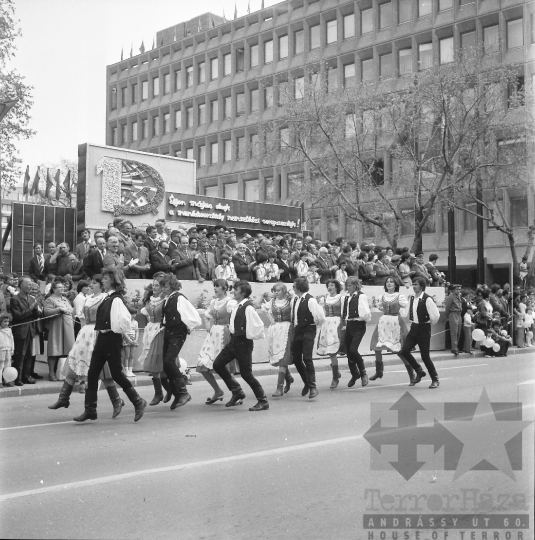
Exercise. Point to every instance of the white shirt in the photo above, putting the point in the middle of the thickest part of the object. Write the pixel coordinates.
(78, 305)
(432, 309)
(254, 326)
(189, 315)
(121, 320)
(313, 306)
(365, 313)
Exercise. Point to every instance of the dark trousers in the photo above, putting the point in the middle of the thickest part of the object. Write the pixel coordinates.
(302, 348)
(22, 357)
(241, 349)
(107, 349)
(355, 331)
(419, 334)
(173, 341)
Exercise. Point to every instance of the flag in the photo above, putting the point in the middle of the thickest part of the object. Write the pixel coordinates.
(131, 49)
(235, 11)
(262, 4)
(212, 22)
(26, 181)
(121, 53)
(199, 27)
(49, 184)
(142, 48)
(224, 18)
(35, 185)
(58, 188)
(67, 183)
(153, 41)
(249, 8)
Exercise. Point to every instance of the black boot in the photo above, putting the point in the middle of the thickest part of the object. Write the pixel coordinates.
(311, 374)
(237, 398)
(63, 400)
(410, 371)
(379, 367)
(336, 377)
(169, 394)
(289, 380)
(261, 405)
(301, 369)
(90, 402)
(158, 393)
(355, 375)
(280, 385)
(181, 394)
(138, 402)
(116, 400)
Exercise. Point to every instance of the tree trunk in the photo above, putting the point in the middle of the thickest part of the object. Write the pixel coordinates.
(514, 258)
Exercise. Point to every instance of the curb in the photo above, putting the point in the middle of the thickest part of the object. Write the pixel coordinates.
(259, 370)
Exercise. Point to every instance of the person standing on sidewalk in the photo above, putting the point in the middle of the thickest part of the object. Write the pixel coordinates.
(355, 314)
(423, 313)
(453, 308)
(307, 316)
(179, 319)
(24, 312)
(245, 326)
(113, 322)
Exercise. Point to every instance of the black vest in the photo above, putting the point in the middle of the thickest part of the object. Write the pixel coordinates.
(103, 321)
(171, 316)
(304, 315)
(421, 310)
(351, 307)
(240, 321)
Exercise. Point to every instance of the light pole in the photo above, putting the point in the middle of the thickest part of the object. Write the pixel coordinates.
(5, 107)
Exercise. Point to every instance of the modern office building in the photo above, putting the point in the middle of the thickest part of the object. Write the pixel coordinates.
(209, 84)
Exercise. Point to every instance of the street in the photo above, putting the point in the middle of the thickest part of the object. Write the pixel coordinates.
(299, 470)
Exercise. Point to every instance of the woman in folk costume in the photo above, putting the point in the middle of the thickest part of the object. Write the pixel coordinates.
(391, 329)
(217, 318)
(329, 338)
(79, 358)
(279, 336)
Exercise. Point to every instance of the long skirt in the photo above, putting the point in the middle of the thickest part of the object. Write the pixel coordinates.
(279, 344)
(152, 354)
(389, 334)
(215, 342)
(79, 357)
(329, 338)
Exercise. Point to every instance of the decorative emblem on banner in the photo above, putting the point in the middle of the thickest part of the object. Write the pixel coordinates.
(130, 187)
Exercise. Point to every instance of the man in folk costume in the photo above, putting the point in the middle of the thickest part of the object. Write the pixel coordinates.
(355, 314)
(423, 313)
(179, 319)
(114, 323)
(307, 316)
(245, 326)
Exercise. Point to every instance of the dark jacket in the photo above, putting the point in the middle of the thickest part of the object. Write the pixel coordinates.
(34, 271)
(159, 262)
(287, 273)
(241, 265)
(21, 313)
(93, 264)
(323, 270)
(184, 268)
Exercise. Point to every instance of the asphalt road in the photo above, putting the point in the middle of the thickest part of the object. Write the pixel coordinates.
(301, 470)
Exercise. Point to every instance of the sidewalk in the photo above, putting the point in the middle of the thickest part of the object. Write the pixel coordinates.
(43, 386)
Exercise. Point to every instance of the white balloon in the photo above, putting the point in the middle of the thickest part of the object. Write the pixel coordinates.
(10, 374)
(495, 347)
(478, 334)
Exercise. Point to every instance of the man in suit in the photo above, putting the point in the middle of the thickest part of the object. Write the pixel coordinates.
(151, 242)
(113, 259)
(213, 247)
(243, 264)
(160, 261)
(175, 240)
(438, 280)
(51, 264)
(25, 311)
(75, 272)
(324, 269)
(125, 234)
(37, 264)
(82, 248)
(419, 269)
(94, 262)
(184, 260)
(204, 263)
(286, 272)
(136, 258)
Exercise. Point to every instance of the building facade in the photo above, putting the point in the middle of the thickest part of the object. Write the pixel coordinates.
(204, 91)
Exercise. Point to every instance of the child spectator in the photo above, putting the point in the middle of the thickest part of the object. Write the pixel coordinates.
(301, 266)
(312, 274)
(226, 271)
(528, 327)
(524, 271)
(341, 274)
(468, 326)
(128, 349)
(7, 345)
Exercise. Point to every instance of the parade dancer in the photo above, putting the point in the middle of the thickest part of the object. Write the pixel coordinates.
(112, 324)
(423, 313)
(391, 330)
(217, 323)
(307, 315)
(279, 333)
(329, 339)
(356, 313)
(245, 326)
(179, 319)
(79, 358)
(153, 335)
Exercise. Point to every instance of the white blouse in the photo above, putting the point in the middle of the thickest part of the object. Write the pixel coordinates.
(189, 315)
(255, 326)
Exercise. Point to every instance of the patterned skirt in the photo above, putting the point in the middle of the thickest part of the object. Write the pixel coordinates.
(389, 334)
(279, 344)
(79, 357)
(215, 342)
(329, 338)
